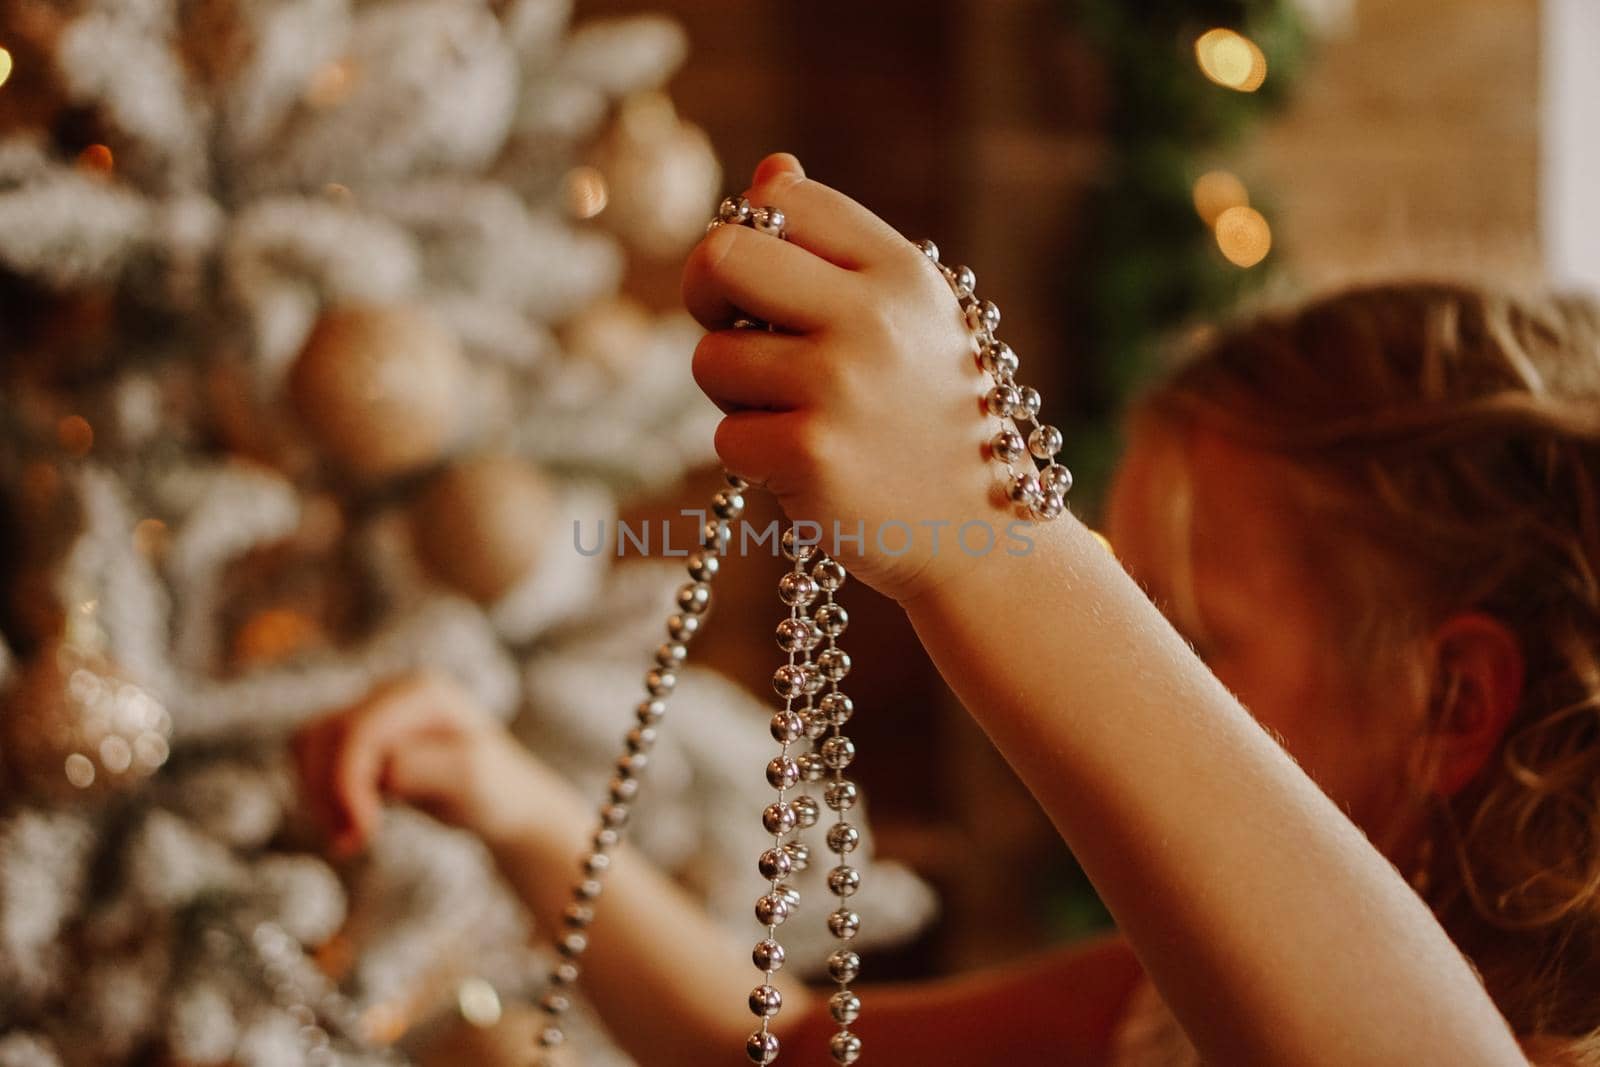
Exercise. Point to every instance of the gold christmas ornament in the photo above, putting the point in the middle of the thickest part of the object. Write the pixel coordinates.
(475, 525)
(661, 177)
(74, 724)
(379, 388)
(613, 334)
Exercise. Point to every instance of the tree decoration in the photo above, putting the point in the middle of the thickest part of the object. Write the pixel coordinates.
(475, 524)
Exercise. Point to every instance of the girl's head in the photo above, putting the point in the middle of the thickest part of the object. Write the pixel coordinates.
(1377, 516)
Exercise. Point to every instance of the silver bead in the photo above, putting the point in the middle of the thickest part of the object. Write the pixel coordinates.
(816, 725)
(841, 795)
(831, 619)
(762, 1047)
(984, 317)
(659, 683)
(797, 589)
(843, 881)
(765, 1001)
(1044, 442)
(844, 965)
(624, 790)
(714, 535)
(683, 627)
(616, 815)
(789, 680)
(694, 598)
(1049, 506)
(829, 574)
(735, 482)
(844, 924)
(782, 772)
(565, 973)
(836, 708)
(632, 764)
(703, 566)
(1001, 400)
(1028, 401)
(795, 548)
(671, 655)
(734, 209)
(555, 1003)
(573, 944)
(577, 916)
(834, 663)
(774, 863)
(963, 281)
(649, 712)
(799, 854)
(551, 1037)
(792, 634)
(1007, 445)
(588, 889)
(767, 955)
(1056, 479)
(843, 838)
(771, 910)
(929, 249)
(1023, 489)
(768, 220)
(777, 818)
(837, 752)
(805, 809)
(845, 1047)
(596, 863)
(790, 895)
(812, 769)
(786, 727)
(845, 1007)
(728, 504)
(998, 359)
(640, 739)
(605, 839)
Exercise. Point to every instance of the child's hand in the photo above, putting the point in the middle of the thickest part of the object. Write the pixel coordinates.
(422, 740)
(866, 404)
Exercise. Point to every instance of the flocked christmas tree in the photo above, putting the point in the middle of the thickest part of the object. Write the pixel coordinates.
(312, 352)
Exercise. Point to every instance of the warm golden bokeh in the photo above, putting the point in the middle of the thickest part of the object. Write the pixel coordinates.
(1231, 59)
(1216, 191)
(1243, 236)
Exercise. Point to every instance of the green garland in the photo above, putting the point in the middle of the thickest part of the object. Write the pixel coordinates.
(1149, 264)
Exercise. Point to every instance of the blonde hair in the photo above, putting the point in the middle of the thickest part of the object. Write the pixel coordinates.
(1446, 439)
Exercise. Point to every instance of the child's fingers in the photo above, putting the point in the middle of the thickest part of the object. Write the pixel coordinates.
(374, 729)
(764, 447)
(741, 369)
(823, 220)
(424, 775)
(735, 272)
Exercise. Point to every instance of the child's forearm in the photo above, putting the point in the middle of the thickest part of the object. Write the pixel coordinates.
(671, 984)
(1275, 931)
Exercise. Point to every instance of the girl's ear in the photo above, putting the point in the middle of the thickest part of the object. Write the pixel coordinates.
(1475, 686)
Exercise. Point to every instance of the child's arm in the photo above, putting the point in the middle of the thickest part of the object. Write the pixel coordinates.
(1273, 928)
(670, 983)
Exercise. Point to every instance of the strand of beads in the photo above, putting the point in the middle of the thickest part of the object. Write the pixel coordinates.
(838, 751)
(1038, 492)
(796, 681)
(694, 601)
(309, 997)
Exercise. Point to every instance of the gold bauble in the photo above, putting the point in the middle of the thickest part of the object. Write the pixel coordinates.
(73, 724)
(661, 174)
(476, 526)
(379, 388)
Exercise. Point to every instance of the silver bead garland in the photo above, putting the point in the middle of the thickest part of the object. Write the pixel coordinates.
(814, 709)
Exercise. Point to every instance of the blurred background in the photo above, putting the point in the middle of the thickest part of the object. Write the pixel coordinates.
(323, 324)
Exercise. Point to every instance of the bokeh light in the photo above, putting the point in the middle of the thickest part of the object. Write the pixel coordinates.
(97, 158)
(5, 66)
(1231, 59)
(75, 435)
(330, 84)
(1216, 191)
(585, 192)
(150, 537)
(1243, 236)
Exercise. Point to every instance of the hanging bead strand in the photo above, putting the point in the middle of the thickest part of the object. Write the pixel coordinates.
(693, 602)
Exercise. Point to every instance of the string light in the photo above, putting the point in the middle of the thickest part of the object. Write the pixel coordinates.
(97, 158)
(5, 66)
(1216, 191)
(1243, 236)
(1231, 59)
(585, 192)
